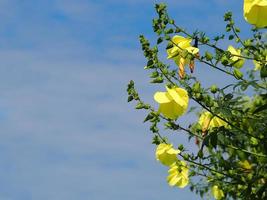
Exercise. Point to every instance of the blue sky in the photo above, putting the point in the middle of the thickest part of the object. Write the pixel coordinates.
(66, 129)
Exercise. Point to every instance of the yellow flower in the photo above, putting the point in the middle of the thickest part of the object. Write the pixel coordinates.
(166, 154)
(178, 174)
(236, 60)
(246, 166)
(208, 121)
(255, 12)
(172, 103)
(179, 52)
(217, 193)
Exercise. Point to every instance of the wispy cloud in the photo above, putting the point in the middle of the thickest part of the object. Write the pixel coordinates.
(67, 131)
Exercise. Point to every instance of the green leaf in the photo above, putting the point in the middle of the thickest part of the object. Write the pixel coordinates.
(148, 117)
(130, 98)
(170, 45)
(156, 140)
(154, 74)
(213, 139)
(231, 37)
(261, 108)
(200, 154)
(160, 39)
(263, 72)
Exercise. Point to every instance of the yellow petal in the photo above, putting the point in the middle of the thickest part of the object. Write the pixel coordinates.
(192, 50)
(173, 52)
(238, 62)
(166, 154)
(179, 95)
(173, 151)
(232, 50)
(172, 180)
(178, 174)
(182, 183)
(171, 110)
(217, 193)
(205, 120)
(255, 12)
(177, 39)
(162, 97)
(245, 165)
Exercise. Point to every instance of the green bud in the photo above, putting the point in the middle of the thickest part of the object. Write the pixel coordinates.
(167, 37)
(178, 30)
(254, 141)
(192, 173)
(237, 30)
(181, 147)
(214, 89)
(228, 29)
(205, 40)
(139, 106)
(199, 96)
(186, 156)
(237, 40)
(171, 21)
(224, 61)
(169, 31)
(157, 80)
(196, 87)
(238, 74)
(208, 56)
(247, 43)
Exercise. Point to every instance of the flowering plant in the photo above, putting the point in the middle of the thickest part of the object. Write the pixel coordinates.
(230, 131)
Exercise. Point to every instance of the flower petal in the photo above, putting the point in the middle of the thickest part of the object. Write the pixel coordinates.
(255, 12)
(179, 95)
(162, 97)
(171, 110)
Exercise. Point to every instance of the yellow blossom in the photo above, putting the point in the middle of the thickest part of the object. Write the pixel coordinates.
(208, 121)
(217, 193)
(255, 12)
(178, 174)
(166, 154)
(179, 53)
(245, 165)
(172, 103)
(236, 60)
